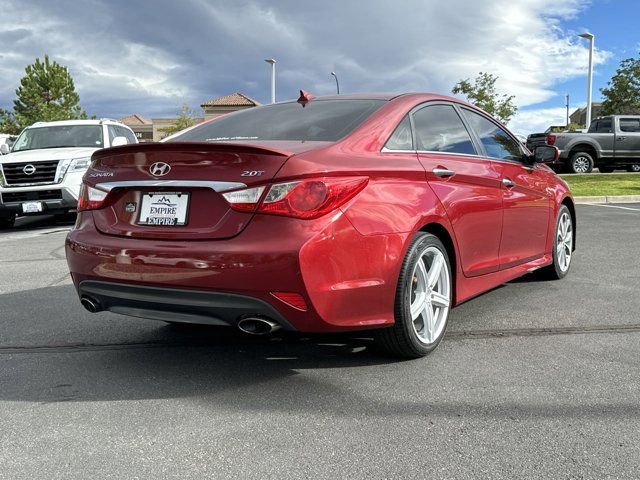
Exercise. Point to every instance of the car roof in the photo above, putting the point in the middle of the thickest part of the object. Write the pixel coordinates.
(423, 97)
(76, 122)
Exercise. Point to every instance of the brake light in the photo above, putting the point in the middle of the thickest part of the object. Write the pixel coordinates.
(551, 139)
(90, 198)
(306, 199)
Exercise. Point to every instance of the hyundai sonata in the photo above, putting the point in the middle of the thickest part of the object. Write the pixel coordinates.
(350, 212)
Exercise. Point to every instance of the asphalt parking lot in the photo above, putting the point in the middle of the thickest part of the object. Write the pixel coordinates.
(534, 379)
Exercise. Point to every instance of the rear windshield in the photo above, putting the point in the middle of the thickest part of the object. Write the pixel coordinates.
(319, 120)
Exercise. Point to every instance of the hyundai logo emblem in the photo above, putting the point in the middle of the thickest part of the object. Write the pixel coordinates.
(159, 169)
(29, 169)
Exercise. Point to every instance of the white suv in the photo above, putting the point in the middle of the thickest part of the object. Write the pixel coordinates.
(43, 171)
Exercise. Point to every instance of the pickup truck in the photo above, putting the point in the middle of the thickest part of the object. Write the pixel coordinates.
(611, 143)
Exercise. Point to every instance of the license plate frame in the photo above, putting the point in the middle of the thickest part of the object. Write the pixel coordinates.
(32, 207)
(167, 200)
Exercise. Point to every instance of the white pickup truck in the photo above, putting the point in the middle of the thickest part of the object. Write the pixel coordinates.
(42, 173)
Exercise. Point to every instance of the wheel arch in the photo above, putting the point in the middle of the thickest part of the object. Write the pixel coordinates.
(584, 147)
(445, 237)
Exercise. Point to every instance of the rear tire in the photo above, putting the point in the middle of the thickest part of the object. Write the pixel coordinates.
(634, 168)
(423, 300)
(562, 247)
(581, 162)
(7, 221)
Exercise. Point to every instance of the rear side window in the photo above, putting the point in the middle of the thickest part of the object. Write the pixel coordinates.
(402, 138)
(320, 120)
(604, 126)
(439, 129)
(496, 141)
(630, 124)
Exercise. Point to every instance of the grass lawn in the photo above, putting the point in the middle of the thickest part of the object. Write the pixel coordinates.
(603, 184)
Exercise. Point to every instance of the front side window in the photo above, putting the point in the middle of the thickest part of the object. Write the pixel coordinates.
(439, 129)
(496, 141)
(320, 120)
(630, 124)
(402, 138)
(59, 136)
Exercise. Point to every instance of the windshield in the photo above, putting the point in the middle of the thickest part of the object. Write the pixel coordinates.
(320, 120)
(59, 137)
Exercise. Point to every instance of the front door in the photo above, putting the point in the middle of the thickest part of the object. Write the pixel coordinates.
(525, 200)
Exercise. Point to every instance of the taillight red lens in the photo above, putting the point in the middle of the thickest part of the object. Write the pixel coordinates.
(551, 139)
(90, 198)
(311, 198)
(308, 198)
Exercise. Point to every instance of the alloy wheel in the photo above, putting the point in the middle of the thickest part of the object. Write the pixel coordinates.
(430, 295)
(564, 241)
(581, 164)
(635, 168)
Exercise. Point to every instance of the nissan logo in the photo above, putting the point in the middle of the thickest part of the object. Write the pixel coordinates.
(29, 169)
(158, 169)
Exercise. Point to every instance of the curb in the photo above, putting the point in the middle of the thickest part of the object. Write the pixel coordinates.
(608, 199)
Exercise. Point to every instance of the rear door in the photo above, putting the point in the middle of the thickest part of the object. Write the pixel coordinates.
(525, 199)
(628, 138)
(465, 183)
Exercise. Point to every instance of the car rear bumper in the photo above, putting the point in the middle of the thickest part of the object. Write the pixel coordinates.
(347, 280)
(177, 305)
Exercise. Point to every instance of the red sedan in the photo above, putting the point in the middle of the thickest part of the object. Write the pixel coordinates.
(350, 212)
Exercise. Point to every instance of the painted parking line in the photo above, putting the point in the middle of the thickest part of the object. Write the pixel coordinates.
(612, 206)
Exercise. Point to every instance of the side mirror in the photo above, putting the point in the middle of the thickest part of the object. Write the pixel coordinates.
(119, 141)
(4, 149)
(545, 154)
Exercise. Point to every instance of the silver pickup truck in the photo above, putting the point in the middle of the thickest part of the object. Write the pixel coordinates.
(610, 143)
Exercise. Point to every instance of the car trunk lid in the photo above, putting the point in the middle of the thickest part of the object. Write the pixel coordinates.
(174, 190)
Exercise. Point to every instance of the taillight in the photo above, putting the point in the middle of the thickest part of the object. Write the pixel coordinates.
(551, 139)
(308, 198)
(90, 198)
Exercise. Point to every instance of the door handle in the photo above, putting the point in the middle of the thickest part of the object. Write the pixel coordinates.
(621, 138)
(443, 172)
(507, 182)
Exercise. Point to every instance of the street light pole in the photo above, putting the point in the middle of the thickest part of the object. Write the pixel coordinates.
(567, 105)
(337, 84)
(591, 39)
(272, 62)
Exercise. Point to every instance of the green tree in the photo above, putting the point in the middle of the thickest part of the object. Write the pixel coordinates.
(186, 118)
(46, 93)
(482, 93)
(622, 95)
(8, 123)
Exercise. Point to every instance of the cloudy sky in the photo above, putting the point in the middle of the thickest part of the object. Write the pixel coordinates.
(151, 56)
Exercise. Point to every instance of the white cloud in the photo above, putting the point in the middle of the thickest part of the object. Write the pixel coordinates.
(148, 56)
(537, 120)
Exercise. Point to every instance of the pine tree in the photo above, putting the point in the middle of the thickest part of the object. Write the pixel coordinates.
(46, 93)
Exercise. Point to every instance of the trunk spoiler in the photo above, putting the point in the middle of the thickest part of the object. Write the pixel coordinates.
(194, 147)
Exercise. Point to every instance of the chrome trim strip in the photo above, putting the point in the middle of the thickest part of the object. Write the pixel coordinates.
(213, 185)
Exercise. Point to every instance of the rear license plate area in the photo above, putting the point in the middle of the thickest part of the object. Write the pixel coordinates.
(164, 209)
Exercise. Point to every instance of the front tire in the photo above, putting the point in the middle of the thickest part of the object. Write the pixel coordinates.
(581, 162)
(423, 300)
(634, 168)
(562, 246)
(7, 221)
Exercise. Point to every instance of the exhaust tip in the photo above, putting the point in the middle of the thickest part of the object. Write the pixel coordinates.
(90, 304)
(257, 326)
